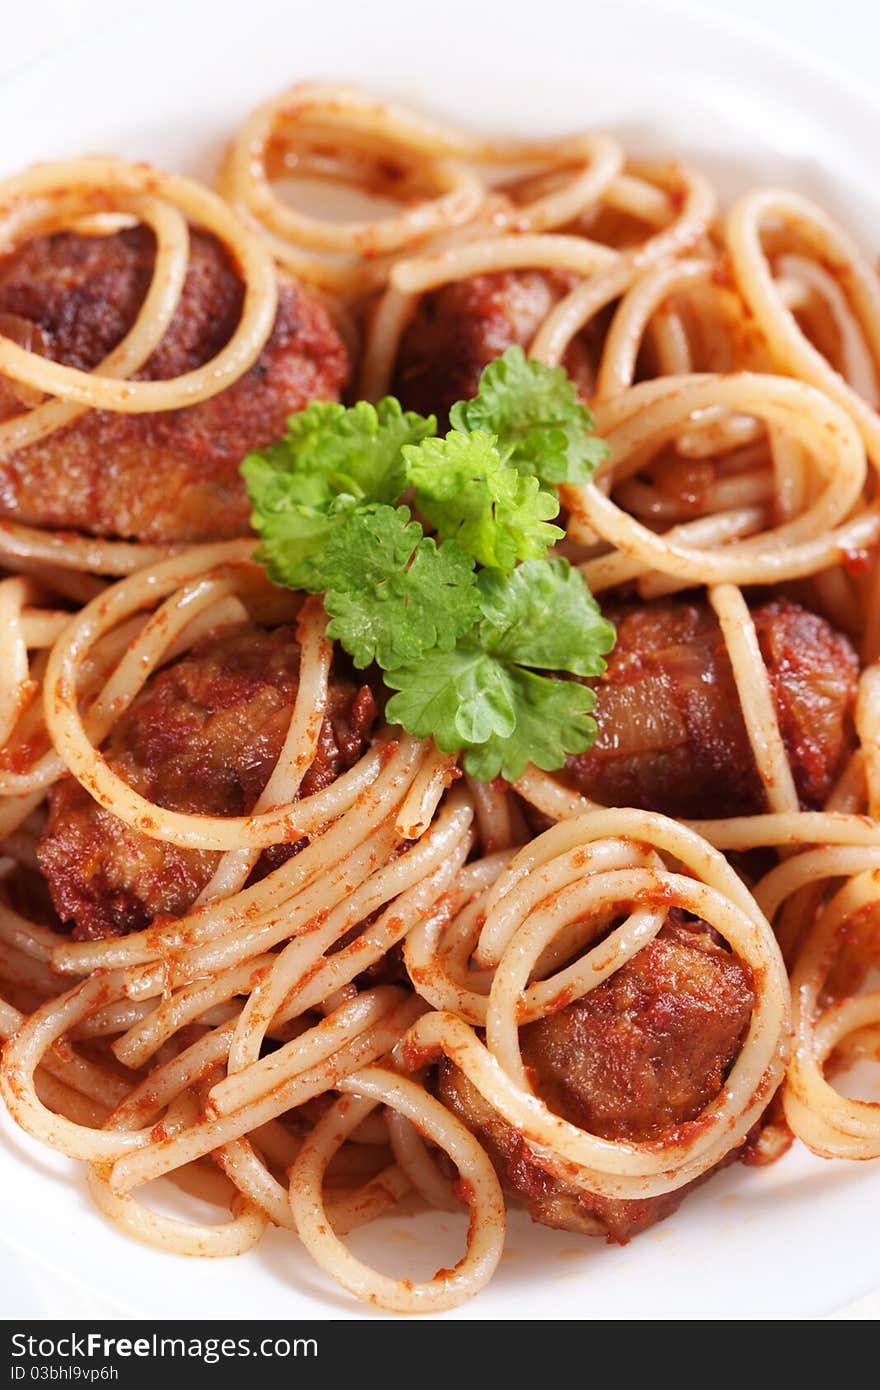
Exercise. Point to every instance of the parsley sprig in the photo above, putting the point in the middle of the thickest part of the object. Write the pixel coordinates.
(465, 649)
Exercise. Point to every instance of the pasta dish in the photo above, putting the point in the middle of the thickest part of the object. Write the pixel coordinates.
(439, 682)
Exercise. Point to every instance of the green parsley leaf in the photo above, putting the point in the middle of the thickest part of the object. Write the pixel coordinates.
(455, 697)
(393, 593)
(358, 450)
(504, 717)
(466, 491)
(462, 651)
(295, 516)
(544, 615)
(533, 411)
(480, 698)
(330, 461)
(552, 720)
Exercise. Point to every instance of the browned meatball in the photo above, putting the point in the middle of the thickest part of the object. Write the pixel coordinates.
(203, 737)
(644, 1052)
(461, 327)
(671, 732)
(170, 475)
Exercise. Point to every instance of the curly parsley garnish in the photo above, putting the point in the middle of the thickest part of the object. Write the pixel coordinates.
(465, 623)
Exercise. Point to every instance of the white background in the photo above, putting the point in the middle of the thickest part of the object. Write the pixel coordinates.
(844, 31)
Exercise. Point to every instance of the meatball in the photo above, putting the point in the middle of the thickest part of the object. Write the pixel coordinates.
(203, 736)
(671, 731)
(460, 328)
(647, 1050)
(171, 475)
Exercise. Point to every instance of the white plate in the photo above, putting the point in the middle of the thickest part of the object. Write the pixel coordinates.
(169, 85)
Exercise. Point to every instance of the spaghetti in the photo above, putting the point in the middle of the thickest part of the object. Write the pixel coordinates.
(271, 1046)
